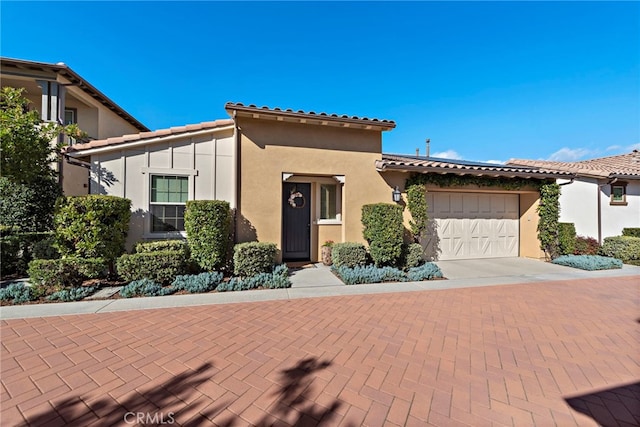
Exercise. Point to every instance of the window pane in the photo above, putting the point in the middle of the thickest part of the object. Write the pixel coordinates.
(169, 189)
(327, 201)
(618, 194)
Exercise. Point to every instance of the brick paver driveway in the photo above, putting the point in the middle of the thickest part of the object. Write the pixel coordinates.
(556, 353)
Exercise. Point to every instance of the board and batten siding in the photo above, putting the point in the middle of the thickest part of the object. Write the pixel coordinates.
(208, 161)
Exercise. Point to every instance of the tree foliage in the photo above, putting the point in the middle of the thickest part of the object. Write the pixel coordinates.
(27, 148)
(549, 212)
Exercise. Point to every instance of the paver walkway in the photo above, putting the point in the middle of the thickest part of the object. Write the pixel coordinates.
(555, 353)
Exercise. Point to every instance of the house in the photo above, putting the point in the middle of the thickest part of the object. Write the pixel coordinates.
(604, 198)
(301, 178)
(63, 96)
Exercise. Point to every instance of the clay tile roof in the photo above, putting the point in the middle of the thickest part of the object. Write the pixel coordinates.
(315, 117)
(462, 167)
(621, 166)
(178, 130)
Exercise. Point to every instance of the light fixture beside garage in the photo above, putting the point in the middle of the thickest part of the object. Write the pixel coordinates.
(396, 195)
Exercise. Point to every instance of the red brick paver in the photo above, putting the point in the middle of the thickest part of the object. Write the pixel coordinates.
(556, 353)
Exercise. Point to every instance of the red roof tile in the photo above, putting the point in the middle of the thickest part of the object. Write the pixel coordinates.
(311, 115)
(119, 140)
(462, 167)
(622, 166)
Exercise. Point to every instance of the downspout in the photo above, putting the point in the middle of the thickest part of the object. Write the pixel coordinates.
(600, 208)
(236, 173)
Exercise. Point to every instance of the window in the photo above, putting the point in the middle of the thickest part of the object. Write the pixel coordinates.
(619, 193)
(168, 197)
(70, 117)
(328, 194)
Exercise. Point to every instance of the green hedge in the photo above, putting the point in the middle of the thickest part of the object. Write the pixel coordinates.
(93, 226)
(631, 231)
(28, 206)
(566, 237)
(52, 275)
(160, 266)
(253, 258)
(208, 226)
(626, 248)
(17, 250)
(384, 230)
(162, 245)
(412, 255)
(348, 254)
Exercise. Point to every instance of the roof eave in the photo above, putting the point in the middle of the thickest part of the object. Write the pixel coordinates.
(489, 173)
(308, 118)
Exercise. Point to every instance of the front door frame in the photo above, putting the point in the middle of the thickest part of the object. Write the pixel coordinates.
(296, 226)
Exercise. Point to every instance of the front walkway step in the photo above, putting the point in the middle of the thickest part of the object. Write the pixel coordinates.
(313, 276)
(105, 293)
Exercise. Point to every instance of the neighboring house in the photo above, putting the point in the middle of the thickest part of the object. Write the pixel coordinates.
(300, 178)
(61, 95)
(604, 198)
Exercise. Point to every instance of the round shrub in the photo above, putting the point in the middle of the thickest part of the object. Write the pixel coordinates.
(626, 248)
(348, 254)
(161, 266)
(412, 255)
(93, 226)
(253, 258)
(586, 246)
(208, 226)
(51, 275)
(384, 230)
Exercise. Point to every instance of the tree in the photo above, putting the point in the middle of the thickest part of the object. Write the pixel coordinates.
(27, 148)
(28, 187)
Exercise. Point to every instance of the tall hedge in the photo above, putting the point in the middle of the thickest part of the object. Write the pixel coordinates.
(208, 226)
(29, 206)
(93, 226)
(383, 230)
(566, 238)
(549, 212)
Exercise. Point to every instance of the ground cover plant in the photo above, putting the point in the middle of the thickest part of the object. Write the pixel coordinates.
(372, 274)
(588, 262)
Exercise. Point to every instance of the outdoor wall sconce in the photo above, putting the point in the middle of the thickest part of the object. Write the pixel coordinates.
(396, 195)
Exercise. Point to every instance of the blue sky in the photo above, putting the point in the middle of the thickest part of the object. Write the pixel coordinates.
(483, 80)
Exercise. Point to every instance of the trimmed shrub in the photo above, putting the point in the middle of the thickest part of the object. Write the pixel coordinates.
(197, 283)
(427, 271)
(566, 237)
(17, 293)
(412, 255)
(348, 254)
(277, 279)
(631, 231)
(162, 245)
(625, 248)
(588, 262)
(28, 206)
(93, 226)
(73, 294)
(586, 246)
(18, 249)
(55, 274)
(208, 226)
(144, 288)
(383, 229)
(369, 274)
(253, 258)
(161, 266)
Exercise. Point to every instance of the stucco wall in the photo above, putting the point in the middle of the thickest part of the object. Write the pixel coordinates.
(270, 148)
(207, 160)
(579, 205)
(617, 217)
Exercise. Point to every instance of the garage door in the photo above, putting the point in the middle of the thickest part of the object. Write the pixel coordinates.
(473, 225)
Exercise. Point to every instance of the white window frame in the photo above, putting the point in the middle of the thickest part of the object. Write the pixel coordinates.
(150, 172)
(339, 184)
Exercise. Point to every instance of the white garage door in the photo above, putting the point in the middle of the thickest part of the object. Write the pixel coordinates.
(474, 225)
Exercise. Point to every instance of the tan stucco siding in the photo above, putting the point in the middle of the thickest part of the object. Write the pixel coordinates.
(529, 218)
(207, 160)
(269, 149)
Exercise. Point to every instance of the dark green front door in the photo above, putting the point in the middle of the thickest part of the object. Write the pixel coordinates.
(296, 221)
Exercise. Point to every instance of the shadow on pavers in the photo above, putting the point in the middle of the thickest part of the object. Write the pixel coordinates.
(618, 406)
(166, 403)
